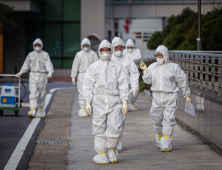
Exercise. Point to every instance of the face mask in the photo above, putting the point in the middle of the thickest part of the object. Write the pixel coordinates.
(86, 49)
(37, 49)
(160, 60)
(118, 53)
(130, 50)
(105, 56)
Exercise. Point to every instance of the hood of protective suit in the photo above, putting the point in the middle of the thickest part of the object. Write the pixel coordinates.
(130, 43)
(85, 41)
(117, 41)
(38, 41)
(164, 51)
(103, 44)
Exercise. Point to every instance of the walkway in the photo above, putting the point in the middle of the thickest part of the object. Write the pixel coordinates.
(140, 151)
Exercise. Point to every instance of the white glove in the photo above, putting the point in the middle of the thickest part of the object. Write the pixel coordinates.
(188, 99)
(143, 66)
(18, 74)
(125, 108)
(73, 81)
(88, 108)
(49, 75)
(134, 91)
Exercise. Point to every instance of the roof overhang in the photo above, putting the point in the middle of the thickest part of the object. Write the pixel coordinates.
(24, 5)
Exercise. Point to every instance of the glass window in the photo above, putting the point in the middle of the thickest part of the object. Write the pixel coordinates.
(72, 10)
(67, 63)
(33, 31)
(53, 10)
(57, 63)
(71, 39)
(32, 16)
(52, 42)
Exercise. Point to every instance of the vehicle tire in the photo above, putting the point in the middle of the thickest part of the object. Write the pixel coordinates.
(1, 112)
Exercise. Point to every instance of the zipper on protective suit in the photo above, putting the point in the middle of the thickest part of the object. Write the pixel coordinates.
(161, 84)
(106, 96)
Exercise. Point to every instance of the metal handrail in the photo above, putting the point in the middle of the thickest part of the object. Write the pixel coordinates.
(202, 69)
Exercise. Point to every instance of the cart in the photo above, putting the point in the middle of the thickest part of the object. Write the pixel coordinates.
(16, 106)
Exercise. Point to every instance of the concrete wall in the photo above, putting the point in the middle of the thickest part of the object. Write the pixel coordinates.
(207, 123)
(92, 18)
(109, 20)
(149, 26)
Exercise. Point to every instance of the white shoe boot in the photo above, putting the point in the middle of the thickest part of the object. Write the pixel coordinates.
(31, 113)
(101, 158)
(82, 113)
(120, 147)
(133, 107)
(166, 144)
(40, 113)
(158, 138)
(112, 154)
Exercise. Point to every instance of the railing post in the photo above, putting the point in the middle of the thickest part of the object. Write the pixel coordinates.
(212, 75)
(196, 70)
(201, 72)
(206, 74)
(191, 70)
(187, 68)
(183, 62)
(219, 76)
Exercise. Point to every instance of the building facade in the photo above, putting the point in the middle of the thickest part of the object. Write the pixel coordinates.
(61, 24)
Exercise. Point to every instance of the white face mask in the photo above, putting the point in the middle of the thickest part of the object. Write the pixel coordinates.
(37, 49)
(105, 56)
(86, 49)
(130, 50)
(118, 53)
(160, 60)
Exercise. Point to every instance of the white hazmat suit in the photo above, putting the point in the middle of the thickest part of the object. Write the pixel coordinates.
(41, 68)
(136, 57)
(133, 54)
(82, 61)
(166, 79)
(132, 74)
(105, 86)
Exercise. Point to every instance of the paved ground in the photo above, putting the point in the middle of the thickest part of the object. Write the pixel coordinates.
(139, 151)
(52, 143)
(12, 128)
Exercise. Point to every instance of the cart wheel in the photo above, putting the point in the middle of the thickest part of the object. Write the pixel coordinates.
(1, 112)
(16, 113)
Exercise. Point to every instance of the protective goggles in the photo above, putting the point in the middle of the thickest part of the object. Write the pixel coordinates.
(118, 48)
(159, 55)
(130, 48)
(105, 50)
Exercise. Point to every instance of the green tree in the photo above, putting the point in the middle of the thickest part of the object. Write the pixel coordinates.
(156, 39)
(212, 38)
(174, 33)
(181, 31)
(5, 13)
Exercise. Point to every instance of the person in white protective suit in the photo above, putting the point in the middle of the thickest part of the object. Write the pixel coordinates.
(41, 68)
(131, 72)
(132, 52)
(82, 61)
(106, 87)
(135, 55)
(167, 79)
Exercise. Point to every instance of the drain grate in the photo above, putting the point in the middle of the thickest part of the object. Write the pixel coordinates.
(50, 142)
(63, 107)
